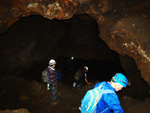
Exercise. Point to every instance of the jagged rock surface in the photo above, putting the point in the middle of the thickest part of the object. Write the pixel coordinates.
(123, 25)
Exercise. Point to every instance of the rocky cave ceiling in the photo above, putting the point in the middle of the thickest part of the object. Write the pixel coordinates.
(123, 24)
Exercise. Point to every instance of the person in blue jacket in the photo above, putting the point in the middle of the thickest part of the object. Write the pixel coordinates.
(109, 102)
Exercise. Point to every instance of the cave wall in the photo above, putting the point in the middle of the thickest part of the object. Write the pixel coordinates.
(134, 76)
(128, 33)
(123, 25)
(34, 40)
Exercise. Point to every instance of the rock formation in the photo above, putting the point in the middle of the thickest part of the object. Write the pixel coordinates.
(123, 24)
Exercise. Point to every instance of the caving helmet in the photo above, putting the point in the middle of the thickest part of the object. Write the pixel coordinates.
(121, 79)
(85, 68)
(52, 62)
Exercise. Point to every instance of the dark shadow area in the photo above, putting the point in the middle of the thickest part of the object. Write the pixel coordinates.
(98, 70)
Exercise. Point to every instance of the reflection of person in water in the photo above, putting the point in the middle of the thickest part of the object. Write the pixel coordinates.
(80, 76)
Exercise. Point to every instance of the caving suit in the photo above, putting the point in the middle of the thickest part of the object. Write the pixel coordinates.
(109, 101)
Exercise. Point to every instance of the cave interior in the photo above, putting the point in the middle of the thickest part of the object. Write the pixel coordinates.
(28, 45)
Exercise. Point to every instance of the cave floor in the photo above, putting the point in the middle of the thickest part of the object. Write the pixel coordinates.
(25, 96)
(32, 95)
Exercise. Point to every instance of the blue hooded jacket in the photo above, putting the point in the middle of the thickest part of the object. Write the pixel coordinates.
(109, 101)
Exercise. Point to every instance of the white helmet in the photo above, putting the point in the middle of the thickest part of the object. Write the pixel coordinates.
(52, 62)
(85, 67)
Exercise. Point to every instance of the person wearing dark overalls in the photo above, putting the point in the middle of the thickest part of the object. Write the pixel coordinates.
(82, 76)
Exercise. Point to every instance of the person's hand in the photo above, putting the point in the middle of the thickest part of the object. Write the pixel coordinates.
(89, 83)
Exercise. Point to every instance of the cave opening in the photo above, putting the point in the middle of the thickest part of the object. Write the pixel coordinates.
(31, 42)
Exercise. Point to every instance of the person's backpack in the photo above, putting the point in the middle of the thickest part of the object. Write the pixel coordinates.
(77, 74)
(92, 97)
(45, 76)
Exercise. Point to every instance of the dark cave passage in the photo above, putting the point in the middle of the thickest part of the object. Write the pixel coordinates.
(98, 70)
(30, 43)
